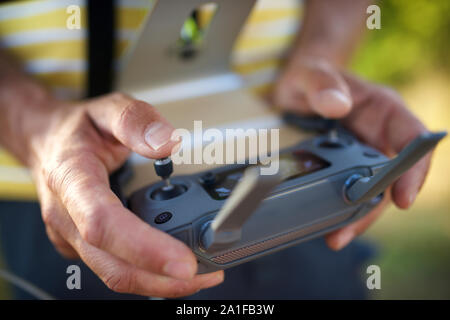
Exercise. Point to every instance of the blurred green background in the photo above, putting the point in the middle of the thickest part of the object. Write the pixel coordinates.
(411, 53)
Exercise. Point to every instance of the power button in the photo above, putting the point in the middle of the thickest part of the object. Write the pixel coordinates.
(163, 217)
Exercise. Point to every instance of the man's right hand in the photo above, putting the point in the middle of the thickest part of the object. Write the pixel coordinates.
(73, 148)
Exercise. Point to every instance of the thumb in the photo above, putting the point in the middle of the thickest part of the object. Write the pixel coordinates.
(320, 86)
(136, 124)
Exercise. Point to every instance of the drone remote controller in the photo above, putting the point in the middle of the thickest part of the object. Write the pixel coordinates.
(233, 214)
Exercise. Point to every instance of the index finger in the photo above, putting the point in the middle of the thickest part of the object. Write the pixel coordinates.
(82, 185)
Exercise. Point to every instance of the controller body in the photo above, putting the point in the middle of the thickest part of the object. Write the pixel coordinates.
(308, 203)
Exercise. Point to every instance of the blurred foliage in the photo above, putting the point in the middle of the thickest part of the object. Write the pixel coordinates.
(414, 37)
(414, 254)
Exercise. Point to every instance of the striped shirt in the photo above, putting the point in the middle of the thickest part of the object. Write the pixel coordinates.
(36, 33)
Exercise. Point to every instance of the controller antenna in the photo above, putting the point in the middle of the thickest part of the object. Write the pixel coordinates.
(164, 168)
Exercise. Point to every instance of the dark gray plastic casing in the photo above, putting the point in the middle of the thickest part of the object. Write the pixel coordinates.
(295, 211)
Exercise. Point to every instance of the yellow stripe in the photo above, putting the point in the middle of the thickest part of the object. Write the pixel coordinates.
(128, 18)
(70, 49)
(131, 18)
(257, 66)
(262, 89)
(17, 191)
(266, 15)
(122, 45)
(258, 43)
(70, 79)
(49, 20)
(8, 160)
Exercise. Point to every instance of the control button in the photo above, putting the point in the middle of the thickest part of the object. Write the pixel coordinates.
(223, 192)
(376, 200)
(208, 178)
(371, 154)
(168, 192)
(163, 217)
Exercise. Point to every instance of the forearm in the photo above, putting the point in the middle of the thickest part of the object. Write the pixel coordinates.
(331, 30)
(24, 103)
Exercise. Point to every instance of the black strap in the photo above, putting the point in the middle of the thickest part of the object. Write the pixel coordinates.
(100, 76)
(101, 47)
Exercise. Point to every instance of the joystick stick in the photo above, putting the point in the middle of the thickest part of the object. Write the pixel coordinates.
(164, 168)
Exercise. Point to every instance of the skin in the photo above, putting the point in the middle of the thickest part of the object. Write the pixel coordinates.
(72, 147)
(314, 82)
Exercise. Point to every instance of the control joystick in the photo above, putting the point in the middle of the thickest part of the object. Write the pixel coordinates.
(333, 139)
(164, 168)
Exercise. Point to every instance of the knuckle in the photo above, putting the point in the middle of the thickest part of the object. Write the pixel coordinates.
(317, 64)
(391, 95)
(49, 216)
(122, 282)
(53, 177)
(133, 112)
(58, 173)
(119, 96)
(64, 175)
(129, 113)
(91, 228)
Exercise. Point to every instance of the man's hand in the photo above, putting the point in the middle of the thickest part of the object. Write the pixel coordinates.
(73, 149)
(377, 115)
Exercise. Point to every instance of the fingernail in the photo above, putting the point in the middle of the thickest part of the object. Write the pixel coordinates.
(176, 148)
(344, 239)
(179, 270)
(412, 198)
(178, 139)
(333, 96)
(332, 102)
(158, 134)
